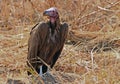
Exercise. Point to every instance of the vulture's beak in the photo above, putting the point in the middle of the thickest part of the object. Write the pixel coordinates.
(51, 12)
(46, 13)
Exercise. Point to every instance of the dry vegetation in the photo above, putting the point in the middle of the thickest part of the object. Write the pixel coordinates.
(91, 54)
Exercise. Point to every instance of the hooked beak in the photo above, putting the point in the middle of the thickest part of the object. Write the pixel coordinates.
(46, 13)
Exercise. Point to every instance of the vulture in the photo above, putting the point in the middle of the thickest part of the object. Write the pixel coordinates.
(46, 42)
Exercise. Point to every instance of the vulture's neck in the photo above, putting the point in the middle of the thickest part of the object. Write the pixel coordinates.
(55, 26)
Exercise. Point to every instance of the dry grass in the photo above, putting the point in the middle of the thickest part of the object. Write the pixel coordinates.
(92, 52)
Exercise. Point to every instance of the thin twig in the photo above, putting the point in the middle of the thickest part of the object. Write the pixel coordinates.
(92, 57)
(40, 61)
(44, 63)
(94, 12)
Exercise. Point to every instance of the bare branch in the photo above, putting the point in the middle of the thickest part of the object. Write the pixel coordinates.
(107, 7)
(104, 9)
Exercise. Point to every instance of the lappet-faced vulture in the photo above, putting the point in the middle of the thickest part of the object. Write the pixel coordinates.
(46, 41)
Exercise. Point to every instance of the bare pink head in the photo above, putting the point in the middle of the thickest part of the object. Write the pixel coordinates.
(52, 14)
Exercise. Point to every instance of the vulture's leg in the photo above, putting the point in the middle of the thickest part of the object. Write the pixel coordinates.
(43, 69)
(40, 71)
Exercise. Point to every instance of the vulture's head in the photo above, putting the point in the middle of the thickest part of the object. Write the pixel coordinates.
(52, 14)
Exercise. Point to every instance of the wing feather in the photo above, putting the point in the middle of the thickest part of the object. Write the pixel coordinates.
(64, 32)
(36, 40)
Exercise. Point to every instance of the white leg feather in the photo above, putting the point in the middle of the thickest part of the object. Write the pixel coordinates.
(40, 71)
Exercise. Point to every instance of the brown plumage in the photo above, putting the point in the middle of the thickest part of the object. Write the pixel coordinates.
(46, 41)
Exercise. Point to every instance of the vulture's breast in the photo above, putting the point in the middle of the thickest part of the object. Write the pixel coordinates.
(53, 40)
(51, 44)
